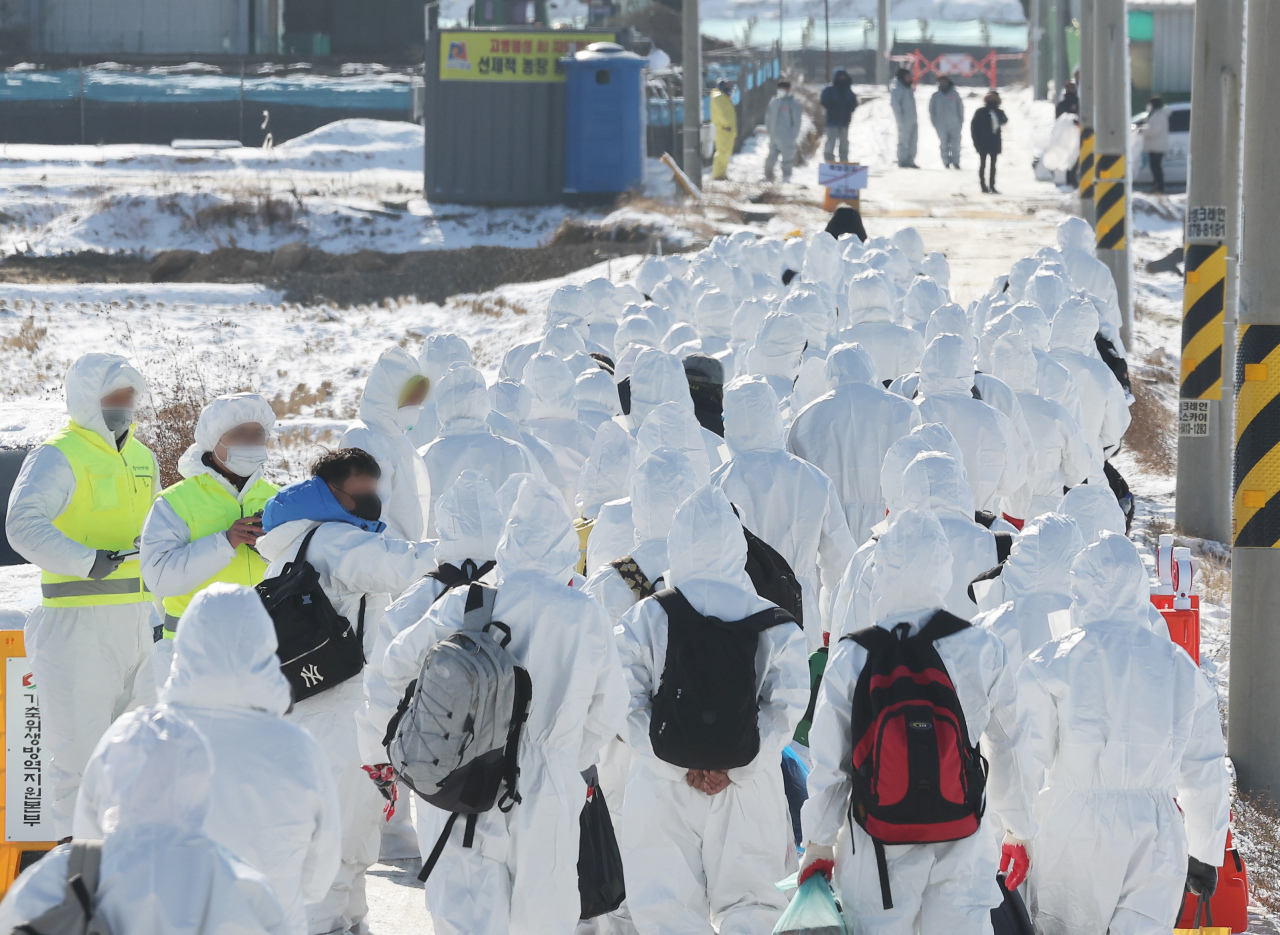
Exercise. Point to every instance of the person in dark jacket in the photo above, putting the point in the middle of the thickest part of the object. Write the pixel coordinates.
(840, 102)
(985, 129)
(846, 220)
(1070, 103)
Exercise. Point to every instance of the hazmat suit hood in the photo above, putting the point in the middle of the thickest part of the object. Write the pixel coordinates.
(1047, 289)
(936, 267)
(751, 418)
(551, 388)
(893, 262)
(673, 426)
(91, 377)
(661, 482)
(1040, 561)
(156, 771)
(912, 567)
(850, 363)
(1021, 271)
(657, 378)
(509, 398)
(822, 259)
(651, 272)
(680, 338)
(440, 352)
(923, 298)
(224, 655)
(948, 319)
(635, 329)
(714, 314)
(673, 293)
(226, 412)
(932, 436)
(1109, 583)
(1074, 233)
(563, 341)
(1034, 324)
(596, 391)
(870, 298)
(607, 471)
(947, 367)
(462, 400)
(706, 545)
(935, 482)
(394, 370)
(468, 520)
(1095, 510)
(747, 319)
(1075, 326)
(909, 241)
(1014, 362)
(567, 305)
(817, 315)
(778, 346)
(538, 536)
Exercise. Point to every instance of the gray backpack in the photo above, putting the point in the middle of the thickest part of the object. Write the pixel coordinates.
(455, 737)
(76, 914)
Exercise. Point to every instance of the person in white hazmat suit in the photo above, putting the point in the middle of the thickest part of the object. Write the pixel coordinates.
(1031, 597)
(75, 511)
(776, 355)
(782, 120)
(553, 417)
(509, 418)
(1102, 402)
(902, 99)
(660, 378)
(160, 873)
(846, 433)
(1127, 729)
(440, 353)
(465, 442)
(995, 459)
(598, 401)
(698, 855)
(1094, 510)
(360, 569)
(226, 680)
(896, 349)
(520, 876)
(783, 499)
(389, 408)
(947, 887)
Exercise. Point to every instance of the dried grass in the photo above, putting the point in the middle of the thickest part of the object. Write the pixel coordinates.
(28, 337)
(260, 209)
(301, 397)
(1257, 823)
(1153, 434)
(492, 306)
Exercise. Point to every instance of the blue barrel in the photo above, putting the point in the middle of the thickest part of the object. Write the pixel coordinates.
(605, 121)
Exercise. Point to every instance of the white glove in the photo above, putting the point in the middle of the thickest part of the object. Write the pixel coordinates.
(814, 853)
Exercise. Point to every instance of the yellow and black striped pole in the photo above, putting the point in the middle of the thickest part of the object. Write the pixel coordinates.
(1203, 305)
(1255, 504)
(1086, 172)
(1110, 205)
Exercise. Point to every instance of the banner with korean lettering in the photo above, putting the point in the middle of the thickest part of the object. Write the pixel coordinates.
(26, 801)
(510, 56)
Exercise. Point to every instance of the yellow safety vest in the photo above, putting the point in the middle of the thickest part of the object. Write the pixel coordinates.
(208, 509)
(113, 493)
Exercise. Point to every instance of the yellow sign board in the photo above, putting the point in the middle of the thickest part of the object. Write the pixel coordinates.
(510, 56)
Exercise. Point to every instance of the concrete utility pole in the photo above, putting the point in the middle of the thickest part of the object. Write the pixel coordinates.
(692, 161)
(882, 43)
(1111, 110)
(1061, 66)
(1035, 37)
(1085, 90)
(1255, 559)
(1205, 430)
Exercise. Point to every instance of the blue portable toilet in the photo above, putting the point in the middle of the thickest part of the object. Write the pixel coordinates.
(604, 120)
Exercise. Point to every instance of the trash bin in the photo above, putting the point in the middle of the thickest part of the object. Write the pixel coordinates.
(605, 121)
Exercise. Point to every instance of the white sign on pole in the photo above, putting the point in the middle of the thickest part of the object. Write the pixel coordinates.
(26, 790)
(1206, 222)
(1193, 418)
(842, 180)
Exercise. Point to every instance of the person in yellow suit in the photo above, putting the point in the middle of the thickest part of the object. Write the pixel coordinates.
(725, 119)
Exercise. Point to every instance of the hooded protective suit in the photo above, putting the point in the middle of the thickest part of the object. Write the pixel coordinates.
(1127, 729)
(902, 98)
(895, 348)
(783, 499)
(692, 859)
(598, 400)
(1062, 454)
(176, 563)
(160, 873)
(1106, 414)
(1094, 510)
(405, 486)
(356, 566)
(847, 433)
(465, 442)
(777, 352)
(91, 654)
(509, 418)
(936, 887)
(923, 298)
(226, 680)
(553, 417)
(713, 317)
(606, 475)
(521, 874)
(995, 459)
(440, 353)
(1032, 595)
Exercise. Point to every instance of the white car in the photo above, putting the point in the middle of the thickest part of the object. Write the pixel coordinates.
(1175, 158)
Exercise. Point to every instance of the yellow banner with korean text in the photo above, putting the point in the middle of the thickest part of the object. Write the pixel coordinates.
(510, 56)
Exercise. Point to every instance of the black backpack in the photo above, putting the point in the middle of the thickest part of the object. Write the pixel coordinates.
(318, 648)
(707, 707)
(772, 576)
(451, 576)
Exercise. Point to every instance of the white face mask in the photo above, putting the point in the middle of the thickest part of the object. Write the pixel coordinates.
(407, 416)
(117, 419)
(244, 460)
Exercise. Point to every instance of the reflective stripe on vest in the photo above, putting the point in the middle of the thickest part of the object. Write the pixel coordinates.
(113, 493)
(208, 508)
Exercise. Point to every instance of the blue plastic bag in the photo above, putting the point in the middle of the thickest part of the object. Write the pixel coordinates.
(813, 911)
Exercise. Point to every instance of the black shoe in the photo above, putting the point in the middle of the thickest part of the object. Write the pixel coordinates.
(993, 191)
(984, 187)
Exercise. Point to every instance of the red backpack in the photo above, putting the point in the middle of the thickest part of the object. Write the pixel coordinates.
(917, 779)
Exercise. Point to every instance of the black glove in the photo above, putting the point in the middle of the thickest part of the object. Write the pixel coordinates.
(1202, 878)
(104, 564)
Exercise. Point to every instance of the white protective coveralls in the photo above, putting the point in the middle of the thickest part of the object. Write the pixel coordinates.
(847, 432)
(598, 400)
(509, 418)
(713, 317)
(1077, 244)
(995, 459)
(1127, 728)
(160, 873)
(521, 874)
(405, 485)
(1106, 414)
(553, 417)
(1032, 595)
(353, 564)
(776, 353)
(902, 99)
(1063, 457)
(783, 499)
(896, 349)
(923, 298)
(92, 663)
(1094, 510)
(226, 680)
(659, 378)
(693, 860)
(465, 442)
(440, 352)
(936, 887)
(606, 474)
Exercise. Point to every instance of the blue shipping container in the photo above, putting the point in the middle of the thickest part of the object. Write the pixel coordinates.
(605, 120)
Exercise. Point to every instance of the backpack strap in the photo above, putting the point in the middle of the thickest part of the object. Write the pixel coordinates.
(434, 857)
(676, 604)
(301, 555)
(634, 577)
(942, 625)
(1004, 545)
(82, 874)
(364, 599)
(991, 574)
(984, 518)
(871, 638)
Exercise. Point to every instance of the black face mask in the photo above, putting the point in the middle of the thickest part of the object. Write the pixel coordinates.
(367, 506)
